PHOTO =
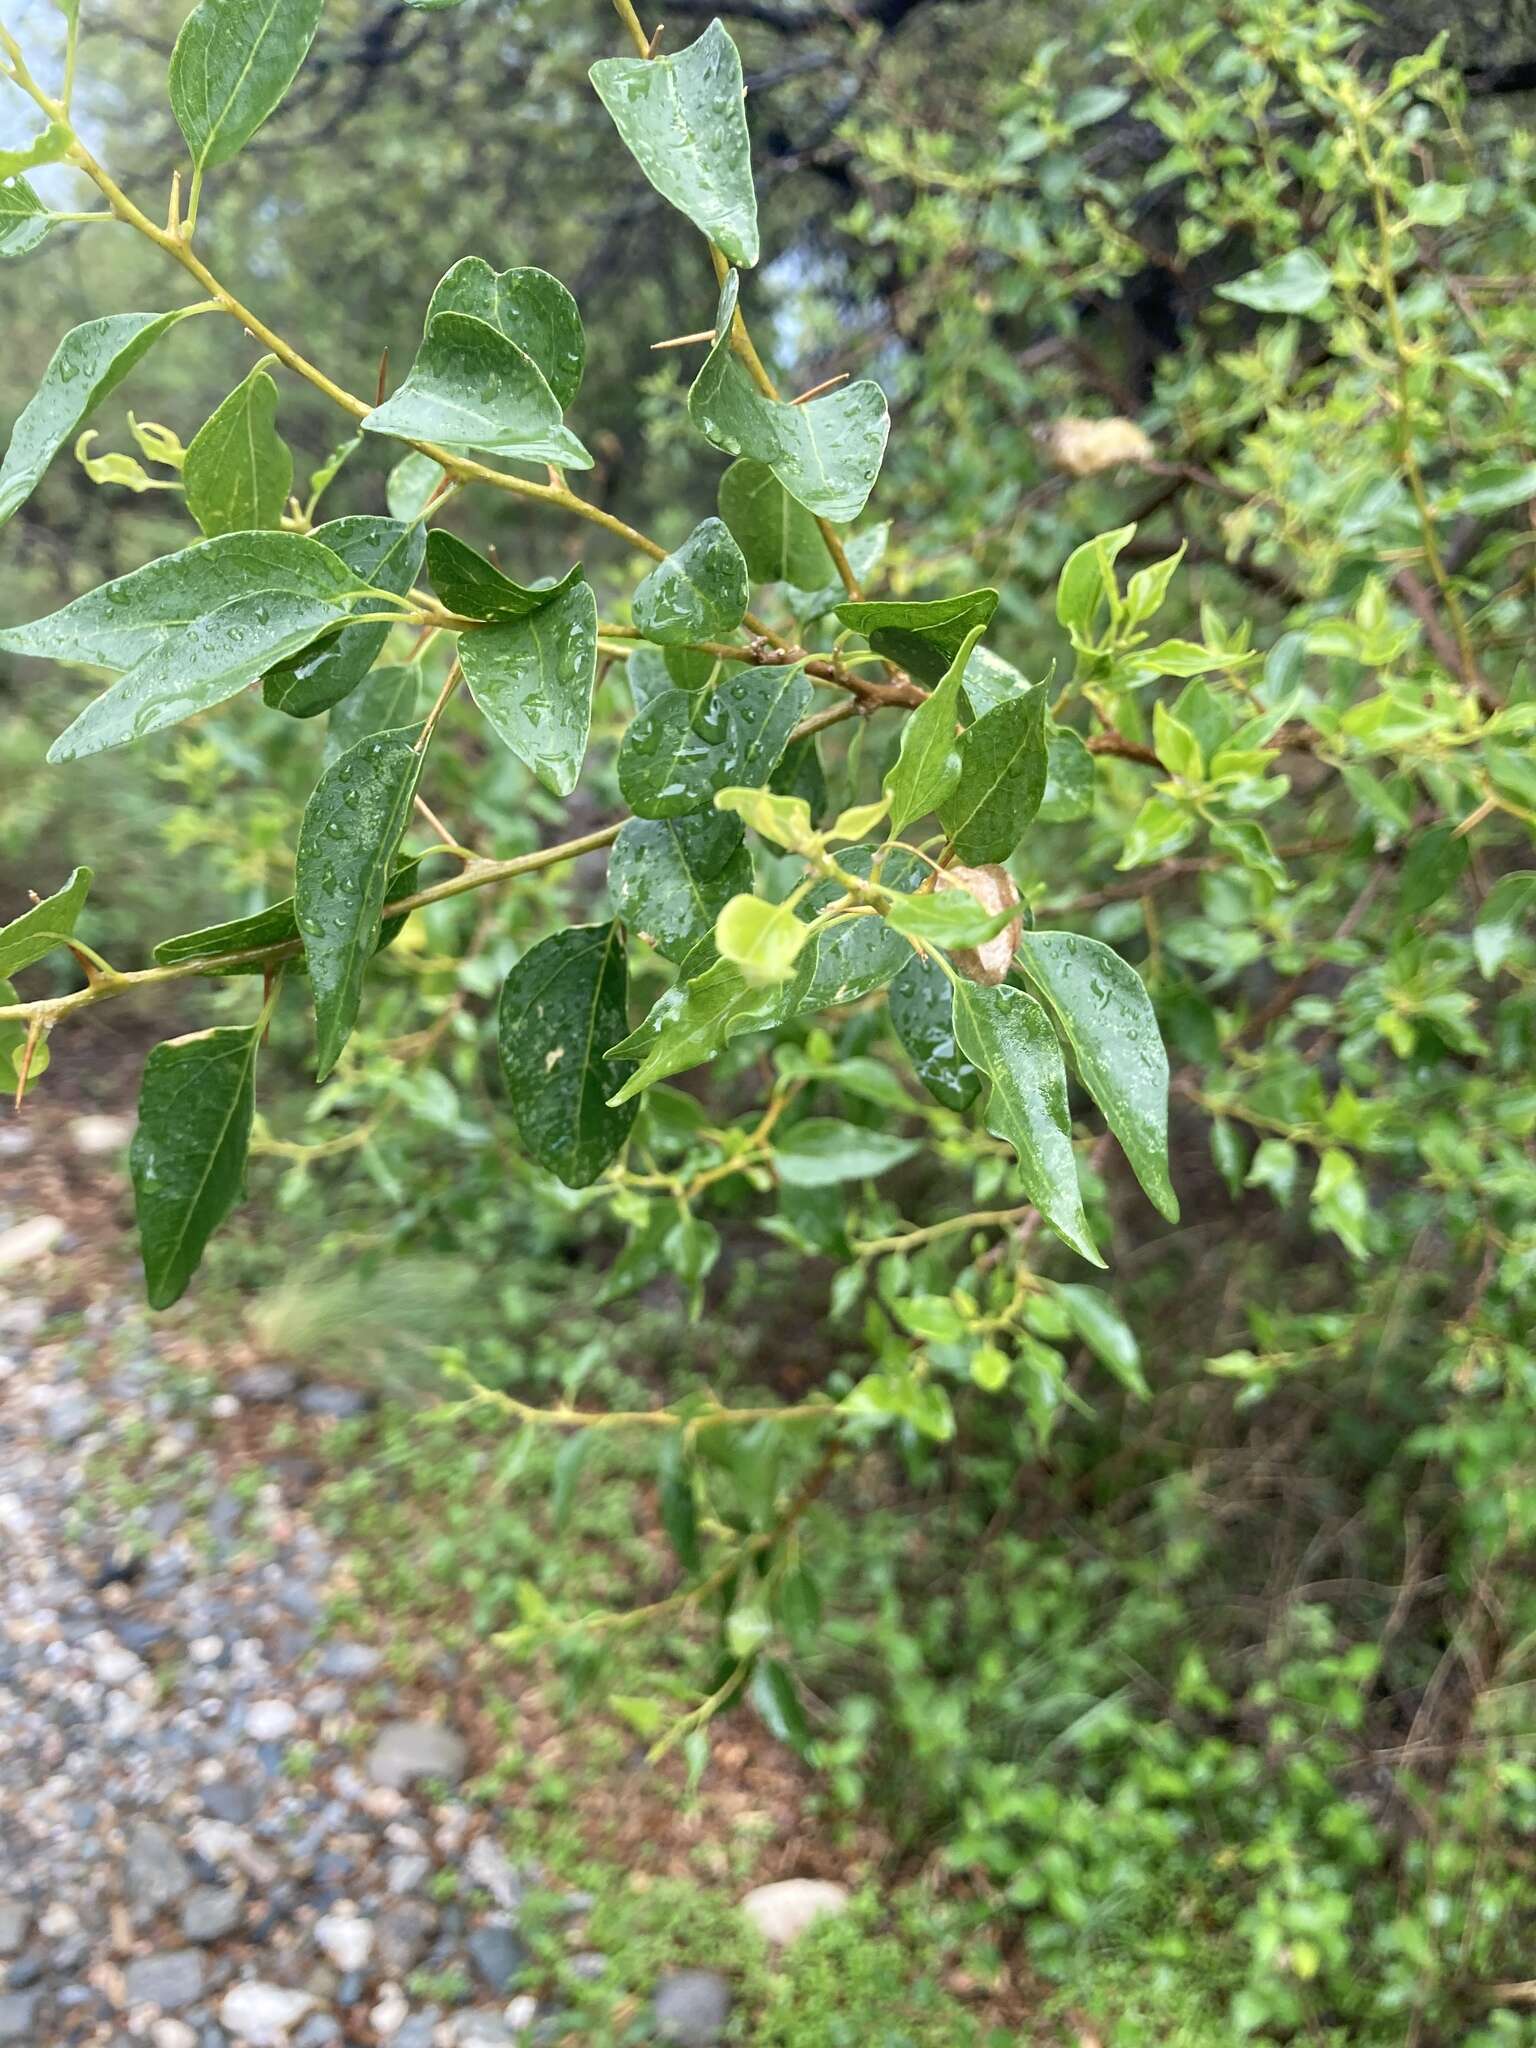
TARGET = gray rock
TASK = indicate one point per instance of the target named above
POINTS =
(782, 1912)
(265, 1383)
(498, 1957)
(210, 1912)
(155, 1872)
(27, 1242)
(229, 1799)
(318, 2031)
(28, 1970)
(418, 2031)
(339, 1402)
(406, 1751)
(489, 1866)
(270, 1720)
(348, 1660)
(16, 2016)
(70, 1414)
(590, 1965)
(403, 1934)
(15, 1919)
(691, 2007)
(170, 1981)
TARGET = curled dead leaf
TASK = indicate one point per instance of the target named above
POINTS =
(994, 889)
(1085, 447)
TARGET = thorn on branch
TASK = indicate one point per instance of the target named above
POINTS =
(383, 376)
(816, 390)
(685, 340)
(654, 44)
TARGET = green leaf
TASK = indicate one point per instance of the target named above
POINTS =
(472, 388)
(1069, 774)
(476, 589)
(239, 470)
(951, 918)
(86, 367)
(233, 62)
(1104, 1330)
(386, 553)
(922, 1016)
(46, 925)
(671, 877)
(826, 453)
(1340, 1202)
(275, 925)
(784, 820)
(678, 752)
(824, 1150)
(1107, 1019)
(15, 1037)
(24, 220)
(677, 1504)
(924, 637)
(412, 483)
(350, 835)
(1002, 779)
(561, 1005)
(1501, 922)
(698, 593)
(1297, 282)
(925, 772)
(1435, 862)
(779, 539)
(1007, 1035)
(532, 309)
(1087, 580)
(383, 701)
(698, 1018)
(763, 940)
(117, 624)
(777, 1699)
(860, 954)
(187, 1159)
(533, 679)
(683, 121)
(191, 664)
(50, 147)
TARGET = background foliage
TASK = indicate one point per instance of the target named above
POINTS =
(1182, 1616)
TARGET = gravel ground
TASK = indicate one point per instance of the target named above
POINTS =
(206, 1839)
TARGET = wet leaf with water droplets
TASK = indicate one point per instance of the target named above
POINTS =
(924, 636)
(922, 1016)
(472, 388)
(24, 220)
(826, 453)
(87, 366)
(780, 540)
(347, 846)
(1001, 782)
(671, 877)
(233, 62)
(533, 680)
(679, 751)
(683, 121)
(562, 1006)
(188, 1154)
(532, 309)
(384, 552)
(1007, 1035)
(385, 699)
(699, 592)
(1108, 1020)
(699, 1017)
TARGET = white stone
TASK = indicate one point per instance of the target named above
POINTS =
(173, 2034)
(270, 1720)
(521, 2011)
(99, 1137)
(782, 1912)
(344, 1939)
(206, 1649)
(263, 2014)
(390, 2014)
(34, 1239)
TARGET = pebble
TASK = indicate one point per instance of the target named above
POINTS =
(155, 1872)
(339, 1403)
(497, 1956)
(782, 1912)
(691, 2008)
(270, 1720)
(390, 2014)
(168, 1981)
(16, 2017)
(406, 1751)
(264, 2014)
(15, 1921)
(27, 1242)
(482, 2028)
(344, 1938)
(265, 1383)
(173, 2034)
(210, 1912)
(489, 1866)
(348, 1660)
(100, 1137)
